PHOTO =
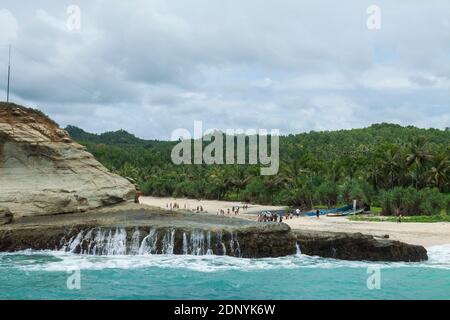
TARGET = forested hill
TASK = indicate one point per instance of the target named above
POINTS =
(120, 137)
(315, 140)
(326, 167)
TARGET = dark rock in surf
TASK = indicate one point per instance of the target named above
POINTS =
(357, 246)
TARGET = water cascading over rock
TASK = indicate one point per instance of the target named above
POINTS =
(118, 241)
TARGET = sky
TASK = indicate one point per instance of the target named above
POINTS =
(152, 66)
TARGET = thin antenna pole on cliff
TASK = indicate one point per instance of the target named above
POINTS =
(9, 73)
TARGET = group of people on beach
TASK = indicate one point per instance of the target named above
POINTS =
(175, 206)
(267, 216)
(273, 217)
(234, 210)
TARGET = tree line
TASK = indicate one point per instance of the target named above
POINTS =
(403, 170)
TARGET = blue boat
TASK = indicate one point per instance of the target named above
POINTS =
(327, 211)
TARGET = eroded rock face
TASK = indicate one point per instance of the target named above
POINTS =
(43, 171)
(357, 246)
(5, 216)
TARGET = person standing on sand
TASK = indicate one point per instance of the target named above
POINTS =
(399, 218)
(317, 213)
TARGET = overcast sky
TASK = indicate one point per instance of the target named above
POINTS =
(150, 67)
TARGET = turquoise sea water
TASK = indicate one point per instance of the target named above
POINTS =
(44, 275)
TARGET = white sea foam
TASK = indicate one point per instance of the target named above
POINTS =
(439, 257)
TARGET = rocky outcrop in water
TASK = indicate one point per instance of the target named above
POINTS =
(142, 230)
(42, 171)
(357, 246)
(132, 229)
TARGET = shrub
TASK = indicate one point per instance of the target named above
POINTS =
(409, 201)
(360, 191)
(432, 201)
(327, 193)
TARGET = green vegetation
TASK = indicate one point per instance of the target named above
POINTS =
(402, 170)
(374, 218)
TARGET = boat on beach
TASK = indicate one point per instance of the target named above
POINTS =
(330, 211)
(345, 213)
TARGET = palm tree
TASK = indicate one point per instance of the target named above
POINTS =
(273, 183)
(417, 158)
(438, 174)
(237, 179)
(391, 164)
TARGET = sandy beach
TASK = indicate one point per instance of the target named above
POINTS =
(209, 206)
(426, 234)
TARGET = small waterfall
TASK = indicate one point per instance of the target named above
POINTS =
(220, 243)
(116, 241)
(99, 241)
(209, 251)
(234, 245)
(185, 244)
(87, 242)
(148, 245)
(299, 252)
(74, 243)
(197, 242)
(135, 242)
(169, 242)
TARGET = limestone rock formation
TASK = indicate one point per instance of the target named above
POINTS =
(5, 216)
(43, 171)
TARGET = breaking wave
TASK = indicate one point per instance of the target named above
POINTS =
(439, 257)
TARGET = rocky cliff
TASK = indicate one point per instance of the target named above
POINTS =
(44, 172)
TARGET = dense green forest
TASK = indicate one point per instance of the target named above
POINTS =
(404, 170)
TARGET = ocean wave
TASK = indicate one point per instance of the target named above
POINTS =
(439, 257)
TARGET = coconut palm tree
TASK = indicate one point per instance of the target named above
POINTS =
(391, 164)
(417, 158)
(438, 175)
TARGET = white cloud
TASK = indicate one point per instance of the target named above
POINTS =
(8, 26)
(151, 66)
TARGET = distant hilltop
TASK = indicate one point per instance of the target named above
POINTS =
(388, 132)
